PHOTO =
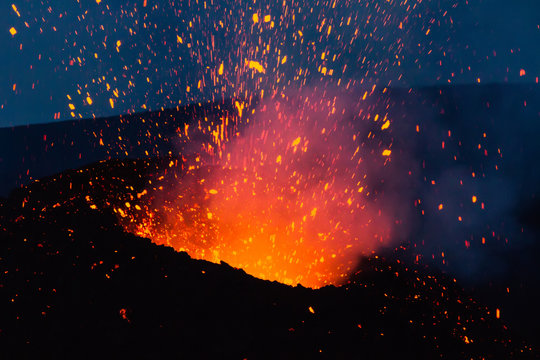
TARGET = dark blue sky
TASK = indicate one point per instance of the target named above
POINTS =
(76, 59)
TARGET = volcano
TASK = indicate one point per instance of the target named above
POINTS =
(79, 279)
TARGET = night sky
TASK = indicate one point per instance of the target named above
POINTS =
(71, 59)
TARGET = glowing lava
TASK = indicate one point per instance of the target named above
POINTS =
(291, 199)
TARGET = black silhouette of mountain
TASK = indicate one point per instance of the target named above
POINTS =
(74, 285)
(29, 153)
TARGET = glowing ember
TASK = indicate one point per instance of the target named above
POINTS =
(289, 200)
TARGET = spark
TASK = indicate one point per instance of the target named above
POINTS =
(257, 66)
(14, 7)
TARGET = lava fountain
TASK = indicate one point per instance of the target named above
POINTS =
(289, 199)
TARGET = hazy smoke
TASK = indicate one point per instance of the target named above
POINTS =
(474, 151)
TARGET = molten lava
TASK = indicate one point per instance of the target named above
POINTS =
(291, 199)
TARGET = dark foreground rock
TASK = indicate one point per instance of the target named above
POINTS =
(74, 285)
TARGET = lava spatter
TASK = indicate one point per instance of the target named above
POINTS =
(289, 199)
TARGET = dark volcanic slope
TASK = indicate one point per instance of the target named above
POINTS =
(31, 152)
(74, 285)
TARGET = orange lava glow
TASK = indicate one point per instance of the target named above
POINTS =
(291, 199)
